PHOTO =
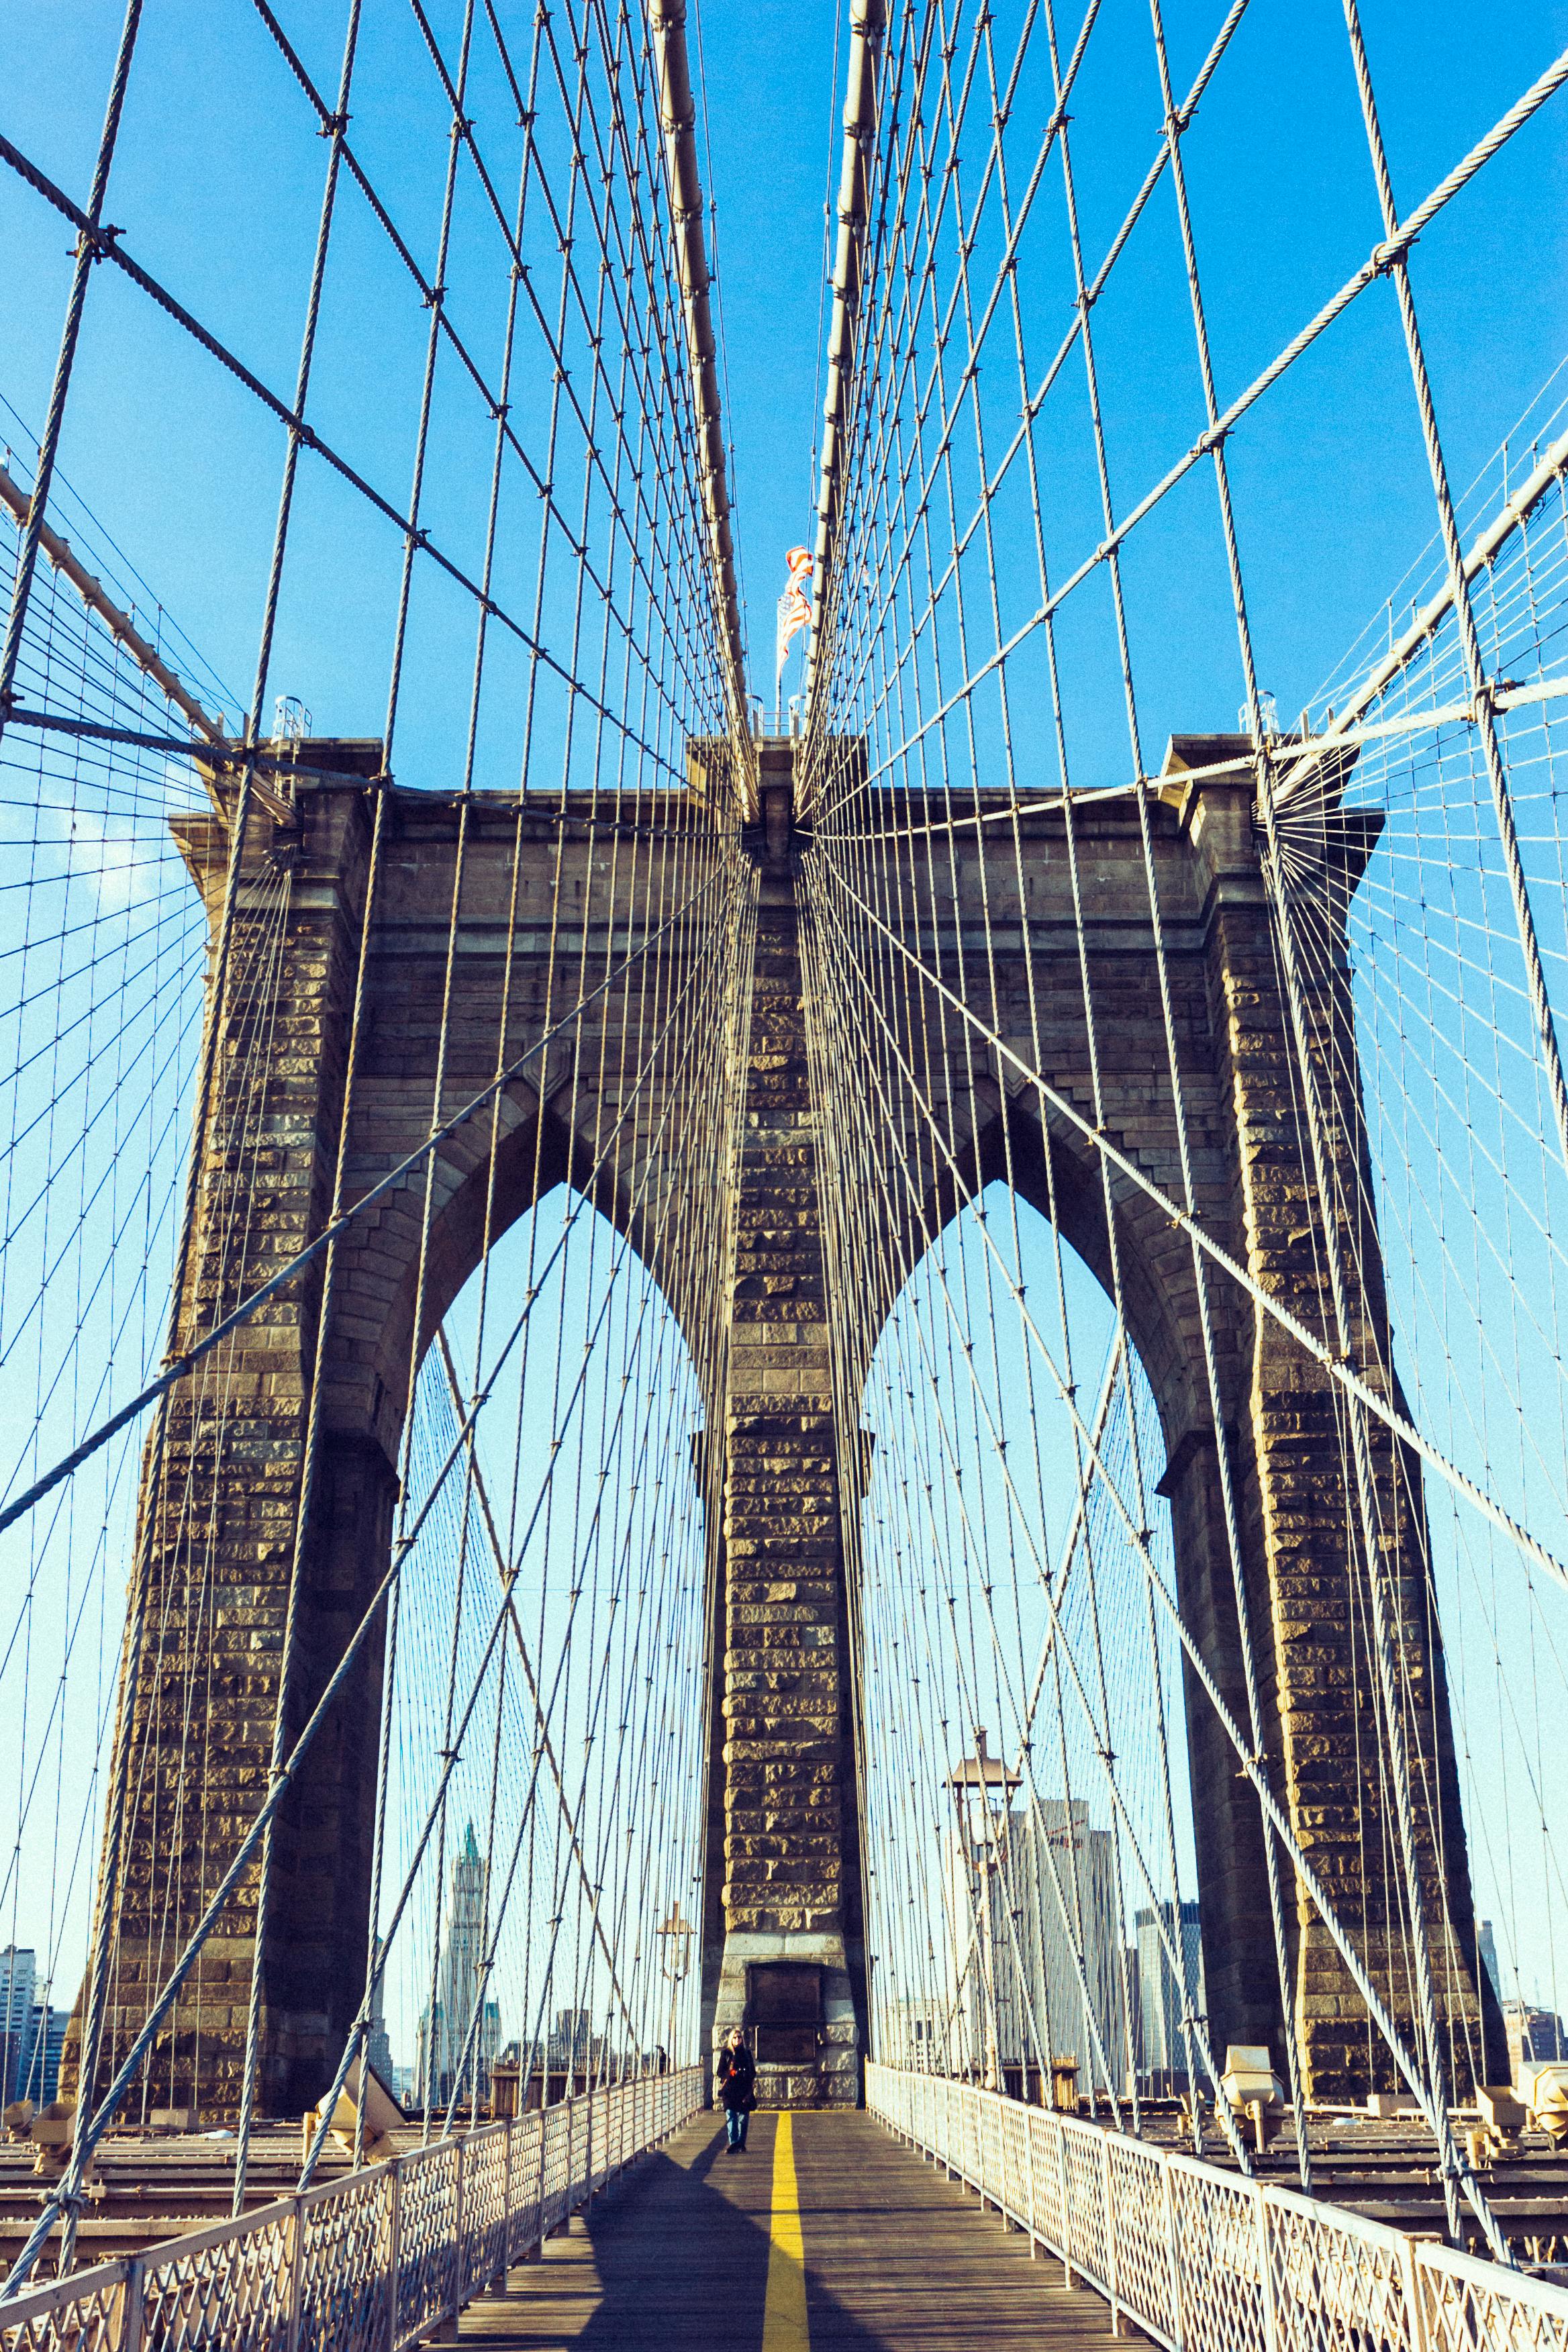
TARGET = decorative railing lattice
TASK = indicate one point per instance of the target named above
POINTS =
(371, 2262)
(1202, 2260)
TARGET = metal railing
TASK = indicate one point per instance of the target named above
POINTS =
(370, 2262)
(1204, 2261)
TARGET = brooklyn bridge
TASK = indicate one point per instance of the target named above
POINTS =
(785, 1484)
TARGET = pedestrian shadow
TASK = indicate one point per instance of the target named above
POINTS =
(676, 2260)
(677, 2254)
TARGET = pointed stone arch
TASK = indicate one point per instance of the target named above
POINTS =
(784, 1834)
(573, 919)
(1003, 882)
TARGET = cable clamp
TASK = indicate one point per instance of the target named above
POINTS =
(98, 242)
(1215, 438)
(1487, 697)
(1394, 250)
(332, 126)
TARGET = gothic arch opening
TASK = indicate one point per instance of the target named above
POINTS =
(1027, 1908)
(555, 1597)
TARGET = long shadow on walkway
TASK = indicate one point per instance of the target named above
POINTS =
(895, 2256)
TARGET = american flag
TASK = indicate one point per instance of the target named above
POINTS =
(794, 608)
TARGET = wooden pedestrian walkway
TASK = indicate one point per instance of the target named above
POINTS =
(827, 2235)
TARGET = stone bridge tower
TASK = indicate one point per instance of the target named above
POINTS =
(783, 1929)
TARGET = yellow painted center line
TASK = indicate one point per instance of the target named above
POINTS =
(784, 2327)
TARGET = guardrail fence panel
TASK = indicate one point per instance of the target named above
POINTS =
(99, 2303)
(244, 2276)
(1141, 2242)
(1463, 2303)
(1220, 2256)
(347, 2252)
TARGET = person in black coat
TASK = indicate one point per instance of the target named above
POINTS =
(737, 2089)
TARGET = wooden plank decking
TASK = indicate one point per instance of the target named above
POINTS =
(894, 2256)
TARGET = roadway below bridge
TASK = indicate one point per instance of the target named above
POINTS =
(824, 2232)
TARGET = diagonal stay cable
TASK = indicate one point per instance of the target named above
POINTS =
(526, 1661)
(1343, 1373)
(432, 297)
(1080, 1518)
(463, 1443)
(1251, 1766)
(68, 2188)
(178, 1366)
(112, 250)
(1378, 264)
(1036, 400)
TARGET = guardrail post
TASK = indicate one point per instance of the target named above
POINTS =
(1168, 2190)
(129, 2337)
(1067, 2206)
(506, 2215)
(393, 2251)
(459, 2266)
(1266, 2271)
(1029, 2178)
(539, 2200)
(297, 2275)
(1410, 2284)
(1108, 2205)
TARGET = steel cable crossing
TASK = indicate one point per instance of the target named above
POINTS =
(540, 1622)
(936, 656)
(605, 1045)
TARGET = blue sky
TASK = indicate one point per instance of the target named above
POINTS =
(216, 188)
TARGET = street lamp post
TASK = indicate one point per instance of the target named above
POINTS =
(674, 1959)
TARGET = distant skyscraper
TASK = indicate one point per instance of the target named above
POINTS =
(1487, 1943)
(18, 1998)
(1050, 1881)
(377, 2048)
(919, 2035)
(41, 2074)
(573, 2045)
(445, 2047)
(1535, 2036)
(1162, 2000)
